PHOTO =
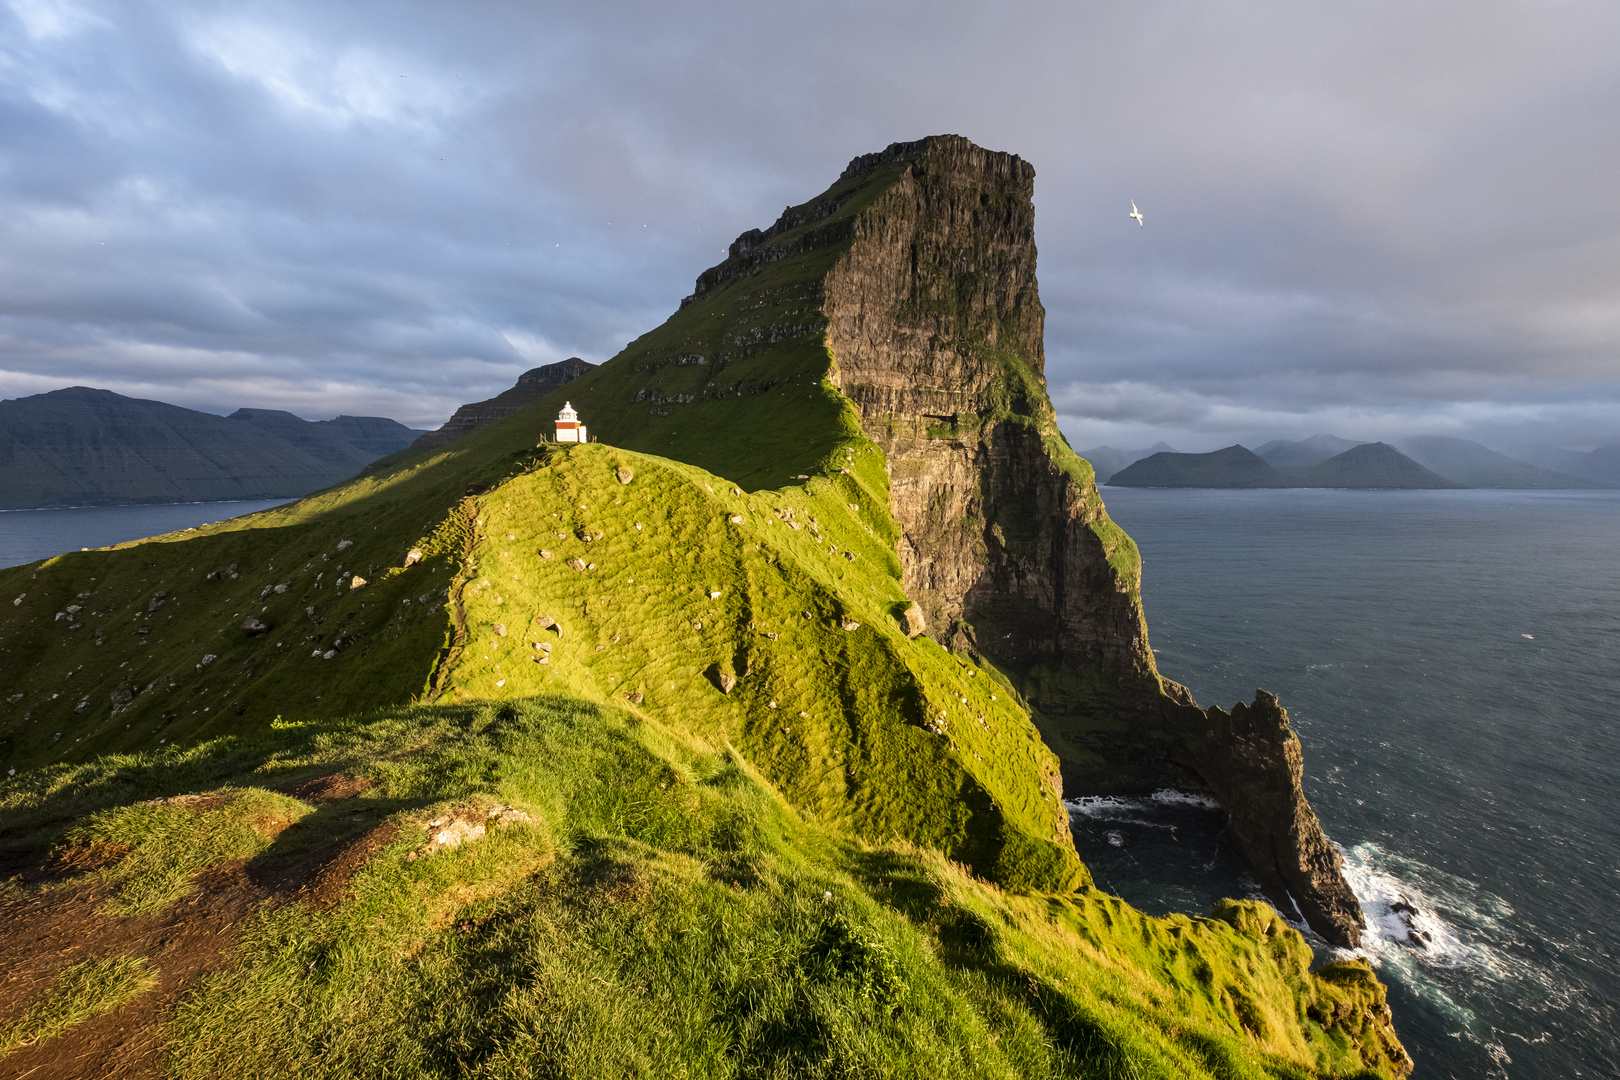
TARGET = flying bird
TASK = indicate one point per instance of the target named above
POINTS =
(1135, 213)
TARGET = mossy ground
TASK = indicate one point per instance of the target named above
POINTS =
(665, 911)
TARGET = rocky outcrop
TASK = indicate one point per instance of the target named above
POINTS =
(1251, 760)
(935, 326)
(532, 385)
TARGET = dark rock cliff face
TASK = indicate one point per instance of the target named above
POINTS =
(935, 325)
(532, 385)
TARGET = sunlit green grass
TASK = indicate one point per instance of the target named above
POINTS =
(666, 910)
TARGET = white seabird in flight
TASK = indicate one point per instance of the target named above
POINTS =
(1135, 213)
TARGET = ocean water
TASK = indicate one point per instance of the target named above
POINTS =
(1451, 661)
(27, 535)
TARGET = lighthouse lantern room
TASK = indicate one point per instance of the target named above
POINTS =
(569, 429)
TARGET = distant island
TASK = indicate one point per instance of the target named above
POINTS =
(86, 447)
(1327, 461)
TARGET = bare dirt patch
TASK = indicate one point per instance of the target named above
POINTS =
(326, 884)
(324, 789)
(49, 930)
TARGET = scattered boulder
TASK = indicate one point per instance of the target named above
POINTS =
(157, 601)
(253, 627)
(913, 619)
(724, 681)
(344, 545)
(452, 833)
(357, 582)
(633, 697)
(576, 564)
(413, 556)
(500, 629)
(624, 475)
(466, 826)
(850, 624)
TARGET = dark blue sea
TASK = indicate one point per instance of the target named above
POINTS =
(1451, 661)
(27, 535)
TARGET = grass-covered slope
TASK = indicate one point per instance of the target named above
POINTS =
(680, 655)
(639, 903)
(767, 620)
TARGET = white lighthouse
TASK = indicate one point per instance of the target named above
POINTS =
(569, 429)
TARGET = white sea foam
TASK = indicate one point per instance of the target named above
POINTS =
(1172, 797)
(1408, 910)
(1123, 808)
(1105, 807)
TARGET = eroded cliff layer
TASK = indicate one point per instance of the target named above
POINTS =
(935, 325)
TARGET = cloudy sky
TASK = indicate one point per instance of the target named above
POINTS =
(1367, 218)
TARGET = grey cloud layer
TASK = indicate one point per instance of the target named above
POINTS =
(1388, 215)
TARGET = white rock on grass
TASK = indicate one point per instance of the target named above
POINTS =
(466, 826)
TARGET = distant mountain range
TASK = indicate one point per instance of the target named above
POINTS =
(1368, 465)
(87, 447)
(1330, 461)
(1601, 466)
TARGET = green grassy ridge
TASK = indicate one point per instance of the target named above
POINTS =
(762, 417)
(163, 844)
(862, 758)
(838, 718)
(665, 910)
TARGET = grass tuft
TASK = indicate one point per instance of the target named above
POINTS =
(78, 993)
(163, 843)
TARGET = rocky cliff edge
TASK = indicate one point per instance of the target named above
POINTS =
(935, 324)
